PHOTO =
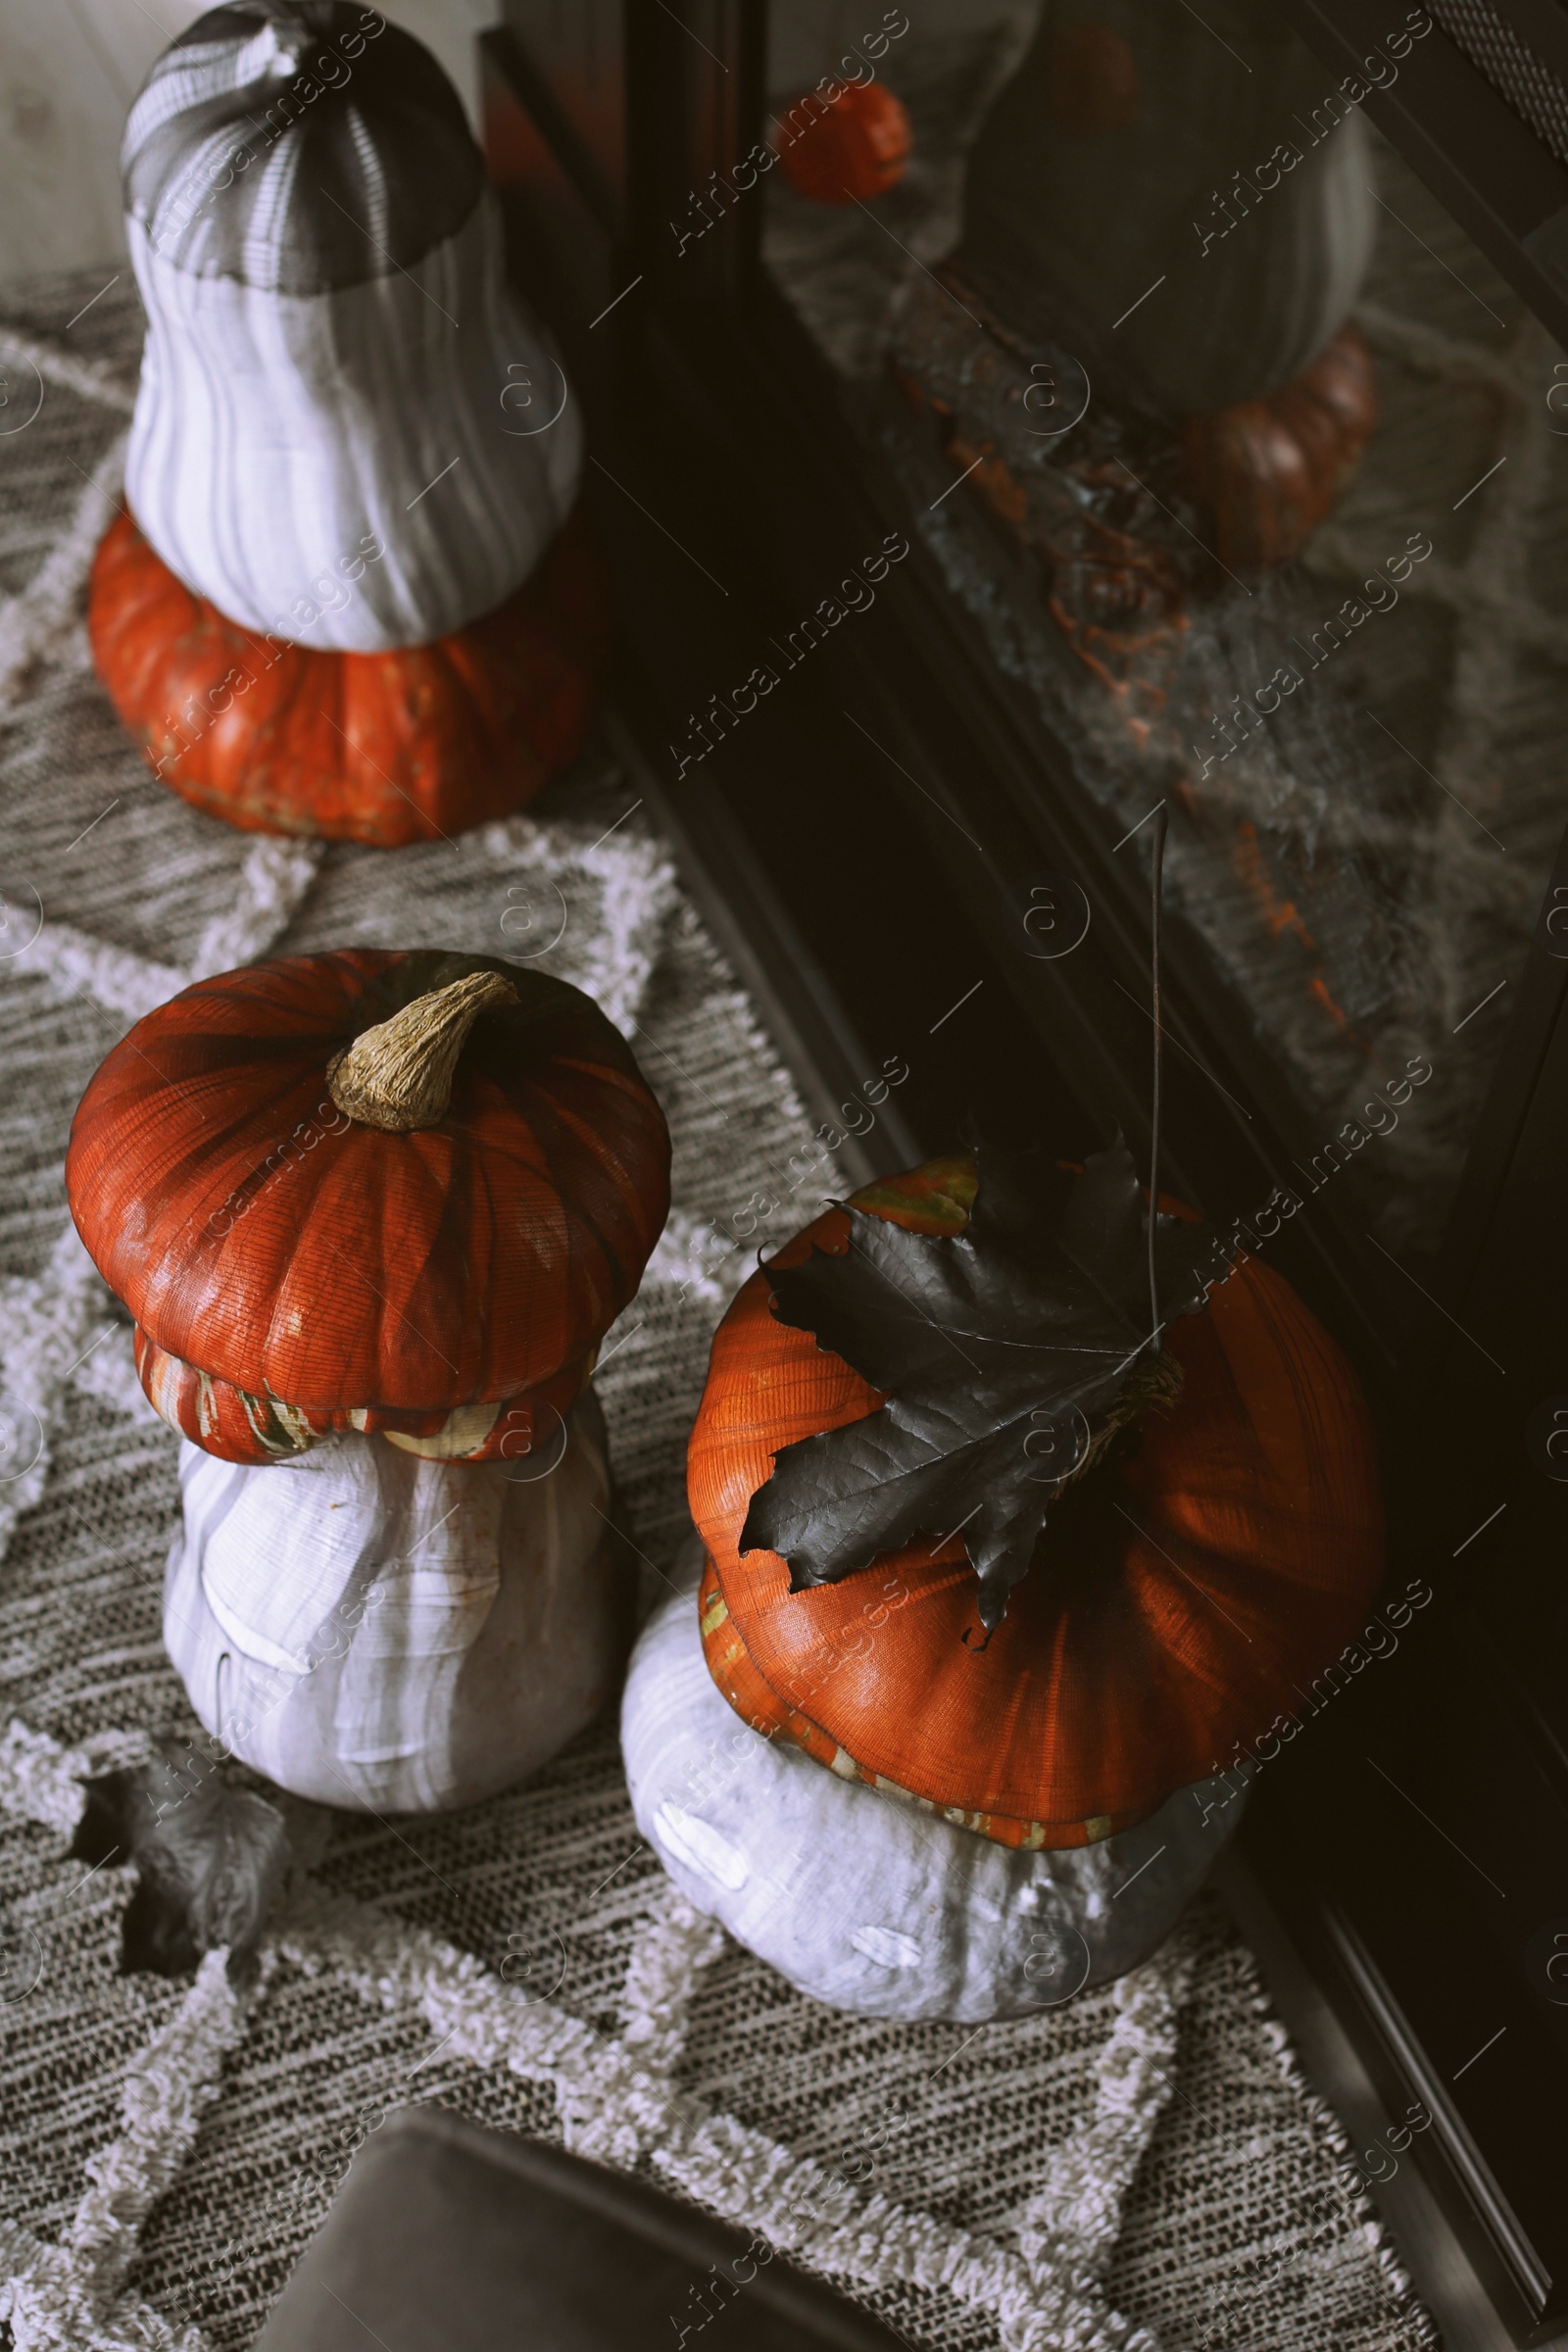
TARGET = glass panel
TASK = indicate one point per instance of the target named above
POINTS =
(576, 47)
(1250, 475)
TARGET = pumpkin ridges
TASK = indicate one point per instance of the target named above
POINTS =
(738, 1678)
(488, 674)
(603, 1178)
(186, 639)
(1256, 1559)
(1086, 1750)
(1273, 1351)
(569, 1243)
(315, 719)
(1062, 1738)
(309, 1242)
(605, 1175)
(414, 686)
(385, 748)
(237, 1427)
(1270, 468)
(149, 613)
(171, 1158)
(394, 1318)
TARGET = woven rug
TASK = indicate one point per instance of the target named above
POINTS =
(1144, 2168)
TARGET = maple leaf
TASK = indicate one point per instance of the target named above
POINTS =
(1007, 1354)
(210, 1857)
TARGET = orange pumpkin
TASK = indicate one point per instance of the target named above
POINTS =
(306, 1252)
(411, 744)
(857, 148)
(1268, 471)
(1176, 1599)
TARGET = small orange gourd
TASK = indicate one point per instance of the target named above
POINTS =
(856, 150)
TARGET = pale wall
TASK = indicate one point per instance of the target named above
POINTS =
(69, 69)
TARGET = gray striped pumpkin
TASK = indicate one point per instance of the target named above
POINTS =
(1160, 190)
(335, 364)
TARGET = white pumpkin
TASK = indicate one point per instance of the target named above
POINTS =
(349, 433)
(1180, 198)
(383, 1631)
(872, 1904)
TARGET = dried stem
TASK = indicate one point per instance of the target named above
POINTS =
(399, 1075)
(1152, 1379)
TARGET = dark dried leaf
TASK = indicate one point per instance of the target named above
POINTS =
(209, 1856)
(993, 1347)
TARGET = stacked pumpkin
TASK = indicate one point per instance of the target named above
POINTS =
(372, 1213)
(353, 595)
(1176, 203)
(993, 1579)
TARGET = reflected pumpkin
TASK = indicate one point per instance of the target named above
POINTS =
(1268, 471)
(854, 151)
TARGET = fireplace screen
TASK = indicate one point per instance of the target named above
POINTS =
(1250, 475)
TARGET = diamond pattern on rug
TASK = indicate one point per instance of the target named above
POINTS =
(1034, 2185)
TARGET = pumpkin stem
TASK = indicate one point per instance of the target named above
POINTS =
(399, 1075)
(1151, 1380)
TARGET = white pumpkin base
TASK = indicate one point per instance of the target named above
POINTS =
(391, 1634)
(872, 1904)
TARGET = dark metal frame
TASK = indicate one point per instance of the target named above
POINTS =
(1501, 185)
(842, 876)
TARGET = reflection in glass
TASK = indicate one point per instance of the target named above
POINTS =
(1244, 467)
